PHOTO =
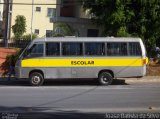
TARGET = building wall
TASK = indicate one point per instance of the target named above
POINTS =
(40, 20)
(1, 16)
(83, 28)
(1, 10)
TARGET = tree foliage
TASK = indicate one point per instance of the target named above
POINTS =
(138, 18)
(19, 28)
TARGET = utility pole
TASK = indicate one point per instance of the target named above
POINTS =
(6, 32)
(32, 19)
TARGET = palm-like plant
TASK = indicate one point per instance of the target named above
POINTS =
(64, 29)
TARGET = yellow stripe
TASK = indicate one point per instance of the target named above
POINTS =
(82, 62)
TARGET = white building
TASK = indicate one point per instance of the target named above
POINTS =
(1, 15)
(1, 9)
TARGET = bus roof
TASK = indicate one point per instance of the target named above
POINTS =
(88, 39)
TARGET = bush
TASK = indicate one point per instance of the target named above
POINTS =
(9, 60)
(58, 35)
(28, 37)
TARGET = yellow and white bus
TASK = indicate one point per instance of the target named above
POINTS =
(72, 58)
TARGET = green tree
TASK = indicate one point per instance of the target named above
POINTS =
(147, 23)
(63, 29)
(19, 28)
(112, 15)
(138, 18)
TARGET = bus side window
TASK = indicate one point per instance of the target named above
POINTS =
(95, 49)
(35, 51)
(52, 49)
(135, 49)
(72, 49)
(116, 49)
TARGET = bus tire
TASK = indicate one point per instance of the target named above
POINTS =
(105, 78)
(36, 79)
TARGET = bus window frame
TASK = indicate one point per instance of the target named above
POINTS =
(85, 55)
(116, 55)
(29, 48)
(61, 49)
(83, 49)
(139, 47)
(45, 50)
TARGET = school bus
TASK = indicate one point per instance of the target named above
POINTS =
(102, 59)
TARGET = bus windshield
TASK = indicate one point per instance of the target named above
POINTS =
(24, 51)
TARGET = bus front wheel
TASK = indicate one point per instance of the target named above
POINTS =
(105, 78)
(36, 79)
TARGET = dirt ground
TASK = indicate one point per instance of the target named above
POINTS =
(153, 68)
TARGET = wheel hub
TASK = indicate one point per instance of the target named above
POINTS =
(36, 79)
(105, 79)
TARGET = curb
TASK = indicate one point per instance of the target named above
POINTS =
(144, 79)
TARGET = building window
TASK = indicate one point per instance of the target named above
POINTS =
(95, 49)
(38, 9)
(49, 33)
(116, 49)
(36, 31)
(68, 8)
(52, 49)
(72, 49)
(51, 12)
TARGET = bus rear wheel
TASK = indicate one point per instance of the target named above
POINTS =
(36, 79)
(105, 78)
